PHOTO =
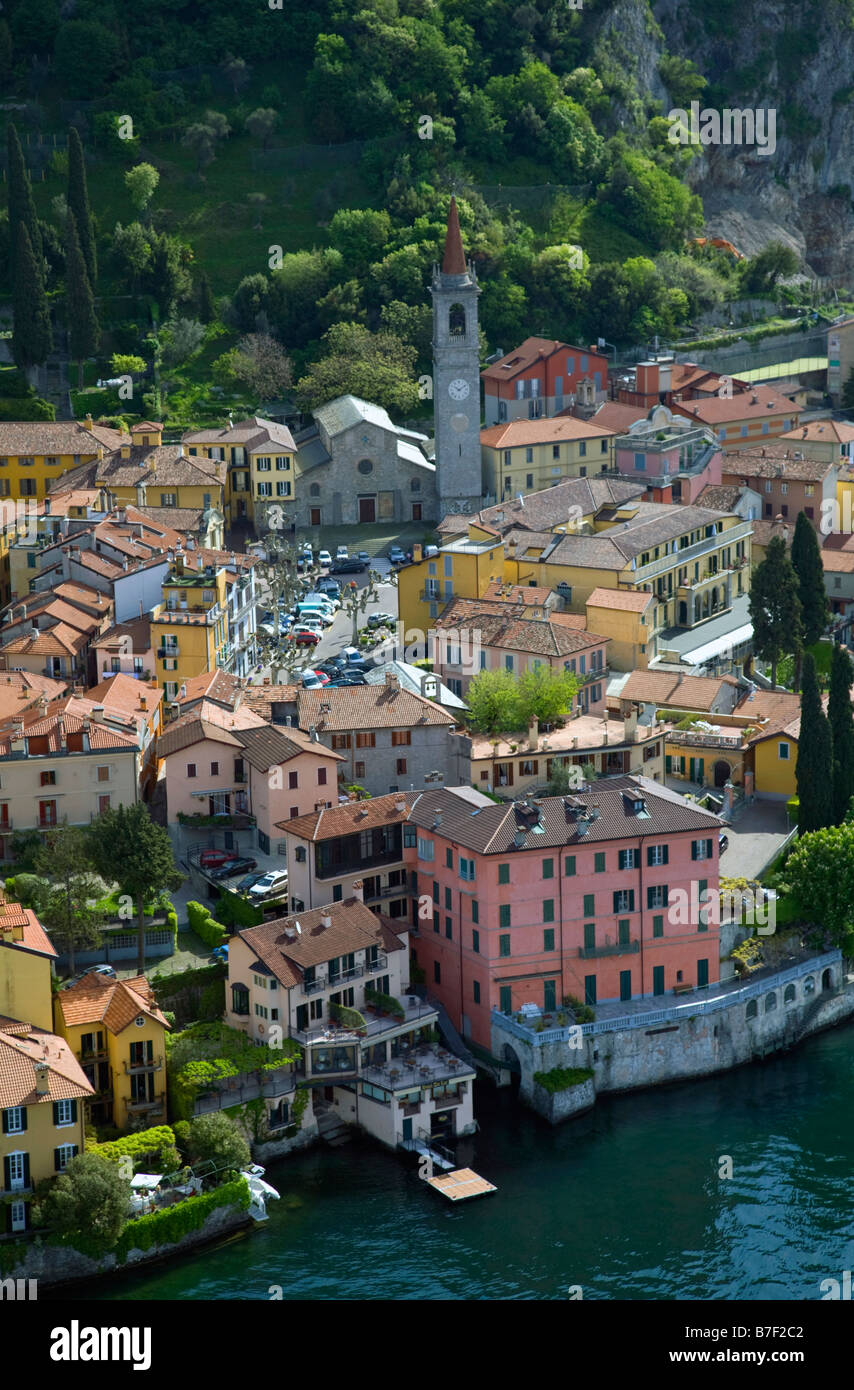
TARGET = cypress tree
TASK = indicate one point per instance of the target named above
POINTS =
(841, 717)
(815, 756)
(31, 335)
(207, 307)
(83, 330)
(22, 209)
(806, 562)
(78, 202)
(775, 608)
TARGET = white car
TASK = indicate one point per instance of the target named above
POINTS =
(323, 601)
(342, 553)
(324, 558)
(270, 886)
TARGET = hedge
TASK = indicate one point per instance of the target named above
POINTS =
(172, 1223)
(145, 1141)
(562, 1078)
(237, 912)
(348, 1018)
(386, 1002)
(212, 933)
(167, 985)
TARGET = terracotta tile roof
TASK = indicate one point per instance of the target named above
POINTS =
(773, 463)
(722, 498)
(674, 689)
(626, 600)
(18, 1058)
(211, 685)
(822, 431)
(720, 410)
(122, 694)
(60, 640)
(266, 747)
(20, 690)
(265, 698)
(352, 927)
(161, 465)
(367, 707)
(554, 430)
(98, 564)
(838, 561)
(615, 415)
(545, 510)
(495, 828)
(136, 634)
(53, 437)
(509, 627)
(764, 530)
(115, 1003)
(535, 595)
(253, 434)
(349, 819)
(207, 721)
(523, 357)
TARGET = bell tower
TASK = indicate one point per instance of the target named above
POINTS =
(456, 376)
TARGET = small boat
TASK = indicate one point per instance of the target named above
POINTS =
(261, 1192)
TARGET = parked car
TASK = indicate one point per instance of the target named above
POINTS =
(355, 679)
(312, 616)
(306, 636)
(106, 970)
(314, 680)
(347, 654)
(324, 558)
(380, 620)
(215, 858)
(364, 556)
(396, 555)
(331, 601)
(342, 553)
(233, 866)
(328, 586)
(247, 882)
(723, 842)
(271, 885)
(353, 566)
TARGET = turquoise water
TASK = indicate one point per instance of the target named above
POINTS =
(626, 1202)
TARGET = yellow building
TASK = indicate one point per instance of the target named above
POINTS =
(260, 456)
(35, 453)
(464, 568)
(117, 1032)
(529, 455)
(628, 620)
(189, 629)
(42, 1085)
(773, 760)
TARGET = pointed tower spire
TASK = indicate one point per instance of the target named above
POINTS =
(454, 259)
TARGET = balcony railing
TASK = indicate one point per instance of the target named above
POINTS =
(99, 1055)
(611, 948)
(733, 740)
(435, 596)
(140, 1106)
(677, 557)
(164, 652)
(394, 890)
(136, 1068)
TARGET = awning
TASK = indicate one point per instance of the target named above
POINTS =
(728, 642)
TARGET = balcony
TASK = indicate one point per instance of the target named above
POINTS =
(618, 948)
(137, 1068)
(335, 981)
(429, 1066)
(393, 890)
(142, 1107)
(732, 741)
(645, 573)
(87, 1058)
(6, 824)
(419, 1014)
(164, 652)
(436, 596)
(47, 823)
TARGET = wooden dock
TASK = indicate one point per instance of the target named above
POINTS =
(461, 1184)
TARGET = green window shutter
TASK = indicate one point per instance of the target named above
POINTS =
(570, 865)
(475, 910)
(476, 991)
(504, 915)
(590, 989)
(549, 910)
(623, 927)
(56, 1161)
(668, 763)
(658, 926)
(475, 941)
(505, 999)
(549, 995)
(548, 868)
(447, 899)
(435, 891)
(658, 979)
(503, 873)
(5, 1122)
(549, 939)
(74, 1108)
(589, 905)
(599, 863)
(625, 986)
(702, 973)
(589, 936)
(435, 921)
(24, 1115)
(56, 1113)
(504, 945)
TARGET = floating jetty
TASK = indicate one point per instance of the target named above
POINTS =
(461, 1184)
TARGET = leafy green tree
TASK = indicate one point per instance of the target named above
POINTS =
(261, 123)
(68, 907)
(493, 701)
(545, 695)
(200, 139)
(83, 330)
(814, 773)
(141, 183)
(374, 366)
(25, 846)
(89, 1198)
(22, 209)
(236, 73)
(250, 299)
(806, 562)
(761, 273)
(126, 846)
(181, 338)
(132, 252)
(820, 870)
(681, 78)
(84, 47)
(261, 364)
(167, 276)
(361, 235)
(296, 286)
(841, 716)
(5, 50)
(650, 203)
(215, 1139)
(127, 364)
(31, 334)
(78, 203)
(774, 606)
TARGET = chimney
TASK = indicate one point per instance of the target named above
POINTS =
(533, 733)
(392, 681)
(325, 920)
(143, 702)
(400, 805)
(97, 714)
(42, 1078)
(359, 891)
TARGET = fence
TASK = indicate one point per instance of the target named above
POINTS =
(673, 1015)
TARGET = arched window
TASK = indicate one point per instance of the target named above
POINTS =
(752, 1008)
(415, 485)
(314, 490)
(809, 984)
(457, 321)
(770, 1003)
(827, 979)
(789, 994)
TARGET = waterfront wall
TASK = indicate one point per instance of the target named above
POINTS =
(51, 1265)
(696, 1039)
(556, 1106)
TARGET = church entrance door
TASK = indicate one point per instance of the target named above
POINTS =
(367, 509)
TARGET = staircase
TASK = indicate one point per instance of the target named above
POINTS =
(455, 1042)
(330, 1126)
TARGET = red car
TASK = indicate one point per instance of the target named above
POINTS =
(305, 637)
(215, 858)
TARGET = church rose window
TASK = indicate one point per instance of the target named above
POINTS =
(365, 466)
